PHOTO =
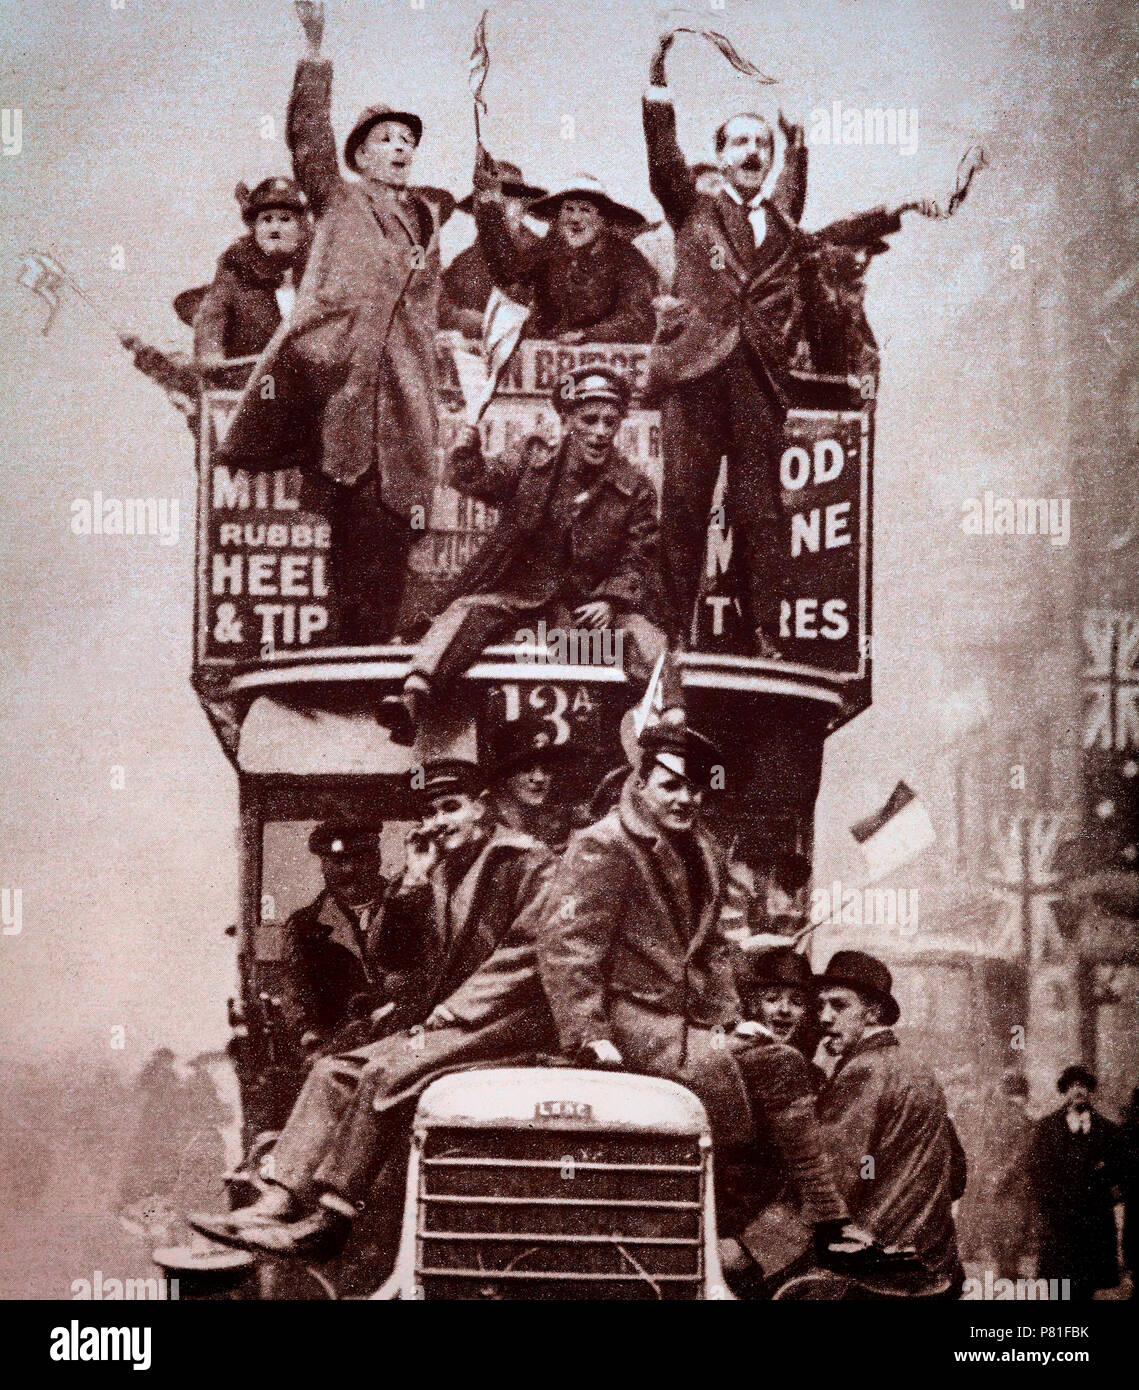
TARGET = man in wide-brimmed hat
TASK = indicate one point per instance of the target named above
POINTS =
(347, 389)
(585, 282)
(1075, 1165)
(896, 1156)
(467, 281)
(575, 548)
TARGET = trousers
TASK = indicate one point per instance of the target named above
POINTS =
(726, 416)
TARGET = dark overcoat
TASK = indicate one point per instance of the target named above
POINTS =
(729, 290)
(239, 311)
(1073, 1178)
(324, 966)
(627, 957)
(614, 551)
(604, 290)
(882, 1105)
(348, 384)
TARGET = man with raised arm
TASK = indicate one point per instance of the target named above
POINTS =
(346, 389)
(720, 359)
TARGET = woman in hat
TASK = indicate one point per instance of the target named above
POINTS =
(585, 281)
(256, 280)
(467, 281)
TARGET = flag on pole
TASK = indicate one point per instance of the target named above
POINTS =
(479, 64)
(968, 167)
(897, 833)
(45, 277)
(502, 324)
(730, 52)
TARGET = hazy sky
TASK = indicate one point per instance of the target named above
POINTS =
(137, 123)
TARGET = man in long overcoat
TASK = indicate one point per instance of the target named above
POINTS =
(456, 919)
(639, 976)
(346, 389)
(896, 1156)
(576, 542)
(1075, 1166)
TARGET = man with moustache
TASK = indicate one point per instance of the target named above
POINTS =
(255, 287)
(722, 352)
(638, 975)
(895, 1154)
(346, 390)
(446, 924)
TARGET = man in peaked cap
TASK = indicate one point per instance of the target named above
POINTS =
(467, 281)
(447, 920)
(347, 389)
(896, 1156)
(576, 542)
(331, 976)
(638, 975)
(585, 281)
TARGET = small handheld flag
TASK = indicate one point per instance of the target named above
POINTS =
(725, 46)
(45, 277)
(897, 833)
(478, 67)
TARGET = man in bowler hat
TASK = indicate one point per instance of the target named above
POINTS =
(1075, 1166)
(895, 1154)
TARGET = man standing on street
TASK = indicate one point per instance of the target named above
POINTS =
(1075, 1167)
(896, 1156)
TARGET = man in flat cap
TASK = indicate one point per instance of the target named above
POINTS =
(449, 918)
(576, 540)
(332, 977)
(467, 281)
(896, 1156)
(1075, 1167)
(584, 281)
(347, 389)
(638, 975)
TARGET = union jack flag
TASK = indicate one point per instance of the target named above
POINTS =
(1111, 680)
(1028, 885)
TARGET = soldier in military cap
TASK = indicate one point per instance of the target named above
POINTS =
(466, 882)
(576, 540)
(638, 975)
(332, 977)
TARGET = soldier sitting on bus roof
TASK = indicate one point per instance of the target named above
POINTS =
(332, 979)
(585, 281)
(576, 542)
(467, 281)
(449, 917)
(255, 285)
